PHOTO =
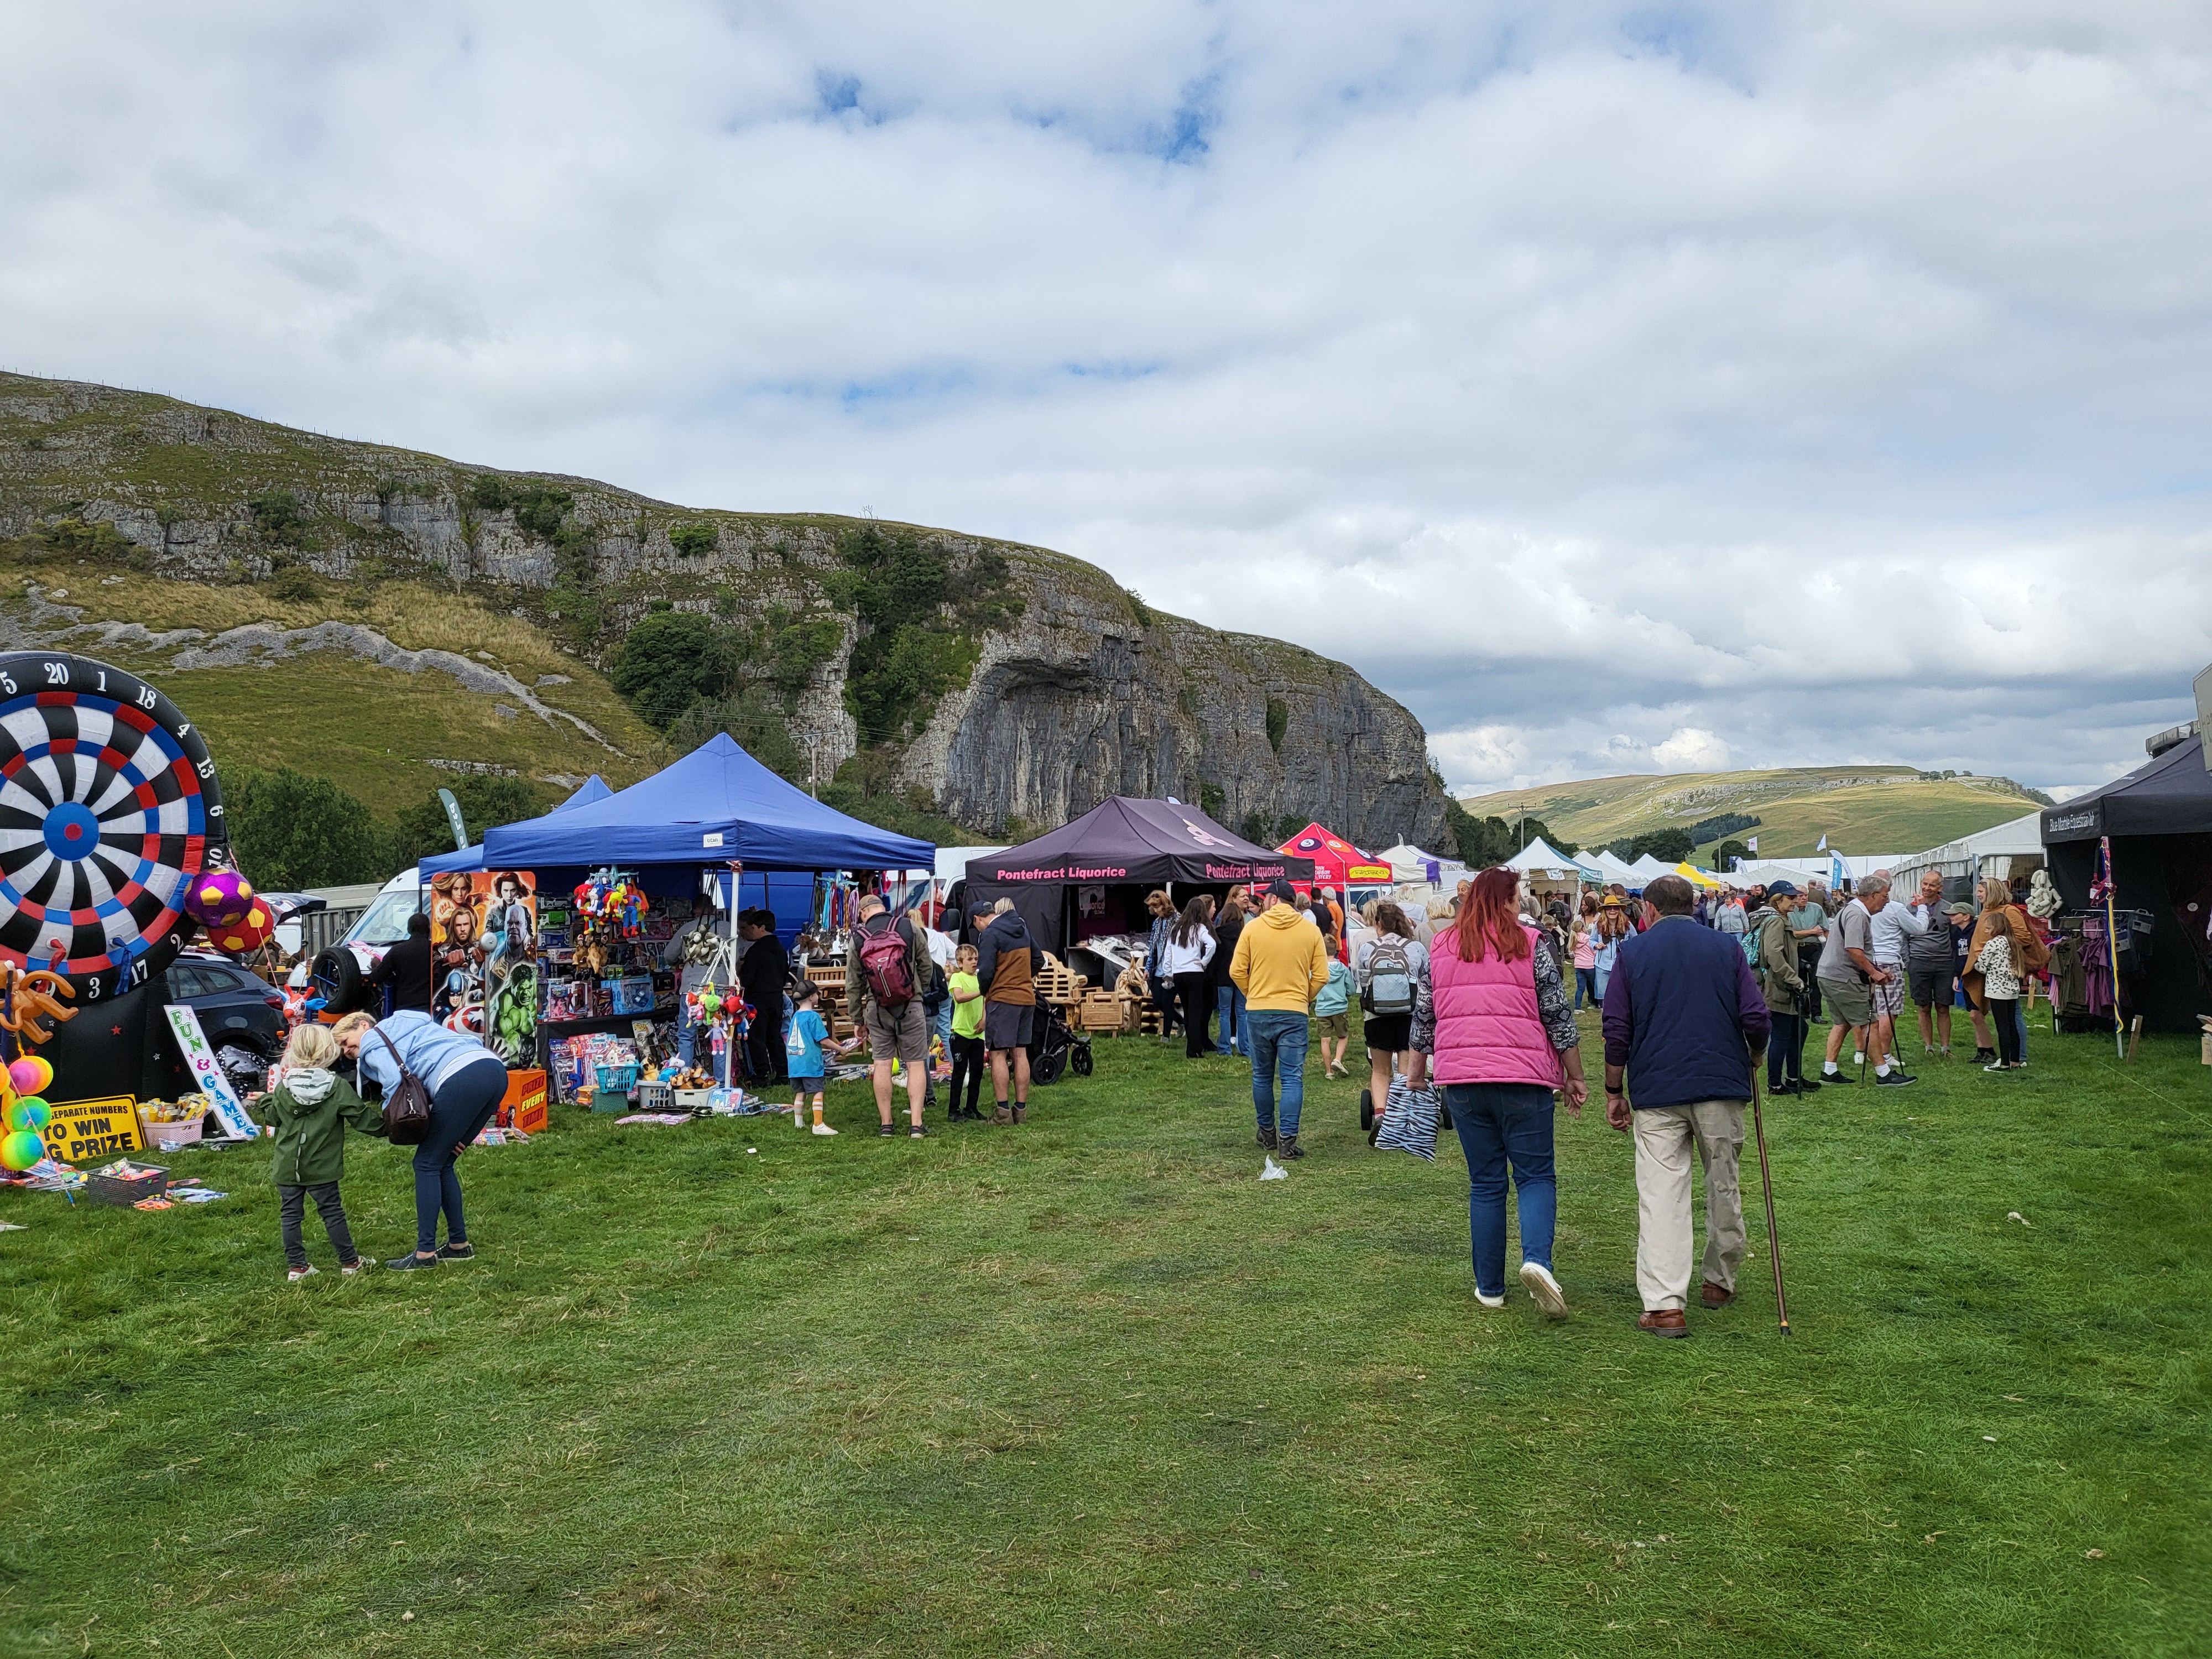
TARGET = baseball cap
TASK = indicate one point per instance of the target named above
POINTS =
(1782, 889)
(1282, 890)
(1959, 908)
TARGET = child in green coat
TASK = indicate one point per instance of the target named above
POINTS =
(309, 1111)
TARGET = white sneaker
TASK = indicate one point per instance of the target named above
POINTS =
(1540, 1284)
(824, 1130)
(1490, 1301)
(293, 1275)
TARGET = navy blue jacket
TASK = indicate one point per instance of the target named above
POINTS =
(1684, 1015)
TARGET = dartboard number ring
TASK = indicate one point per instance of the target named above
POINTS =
(109, 807)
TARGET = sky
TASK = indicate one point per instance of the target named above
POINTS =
(1625, 388)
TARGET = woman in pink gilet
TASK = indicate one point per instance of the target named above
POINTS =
(1494, 1014)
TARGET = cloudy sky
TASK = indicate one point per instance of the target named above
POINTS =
(1625, 388)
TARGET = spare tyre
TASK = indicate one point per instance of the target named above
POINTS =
(337, 978)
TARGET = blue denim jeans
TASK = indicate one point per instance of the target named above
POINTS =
(1229, 1021)
(687, 1032)
(1279, 1038)
(1585, 985)
(1785, 1051)
(464, 1103)
(1499, 1124)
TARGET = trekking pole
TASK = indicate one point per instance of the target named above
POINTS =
(1767, 1181)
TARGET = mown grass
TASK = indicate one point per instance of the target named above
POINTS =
(1089, 1387)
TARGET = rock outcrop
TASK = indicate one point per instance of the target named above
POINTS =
(1083, 693)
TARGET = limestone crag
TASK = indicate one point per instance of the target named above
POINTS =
(1085, 693)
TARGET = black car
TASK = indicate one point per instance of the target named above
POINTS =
(233, 1006)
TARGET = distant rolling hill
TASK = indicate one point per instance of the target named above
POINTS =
(1861, 809)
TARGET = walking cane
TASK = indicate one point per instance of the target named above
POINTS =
(1767, 1181)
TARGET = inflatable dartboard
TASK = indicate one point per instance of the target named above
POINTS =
(109, 806)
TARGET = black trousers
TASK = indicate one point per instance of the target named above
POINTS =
(764, 1055)
(1164, 998)
(1785, 1051)
(292, 1208)
(968, 1067)
(1196, 997)
(2004, 1015)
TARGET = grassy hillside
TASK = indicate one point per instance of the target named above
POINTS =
(322, 706)
(1861, 809)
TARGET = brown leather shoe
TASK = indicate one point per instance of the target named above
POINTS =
(1664, 1322)
(1713, 1296)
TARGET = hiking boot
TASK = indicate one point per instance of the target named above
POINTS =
(1266, 1140)
(1002, 1115)
(1021, 1114)
(1288, 1148)
(1664, 1322)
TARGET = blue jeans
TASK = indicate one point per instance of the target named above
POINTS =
(687, 1029)
(2020, 1023)
(1278, 1037)
(941, 1023)
(1785, 1051)
(1229, 1021)
(1502, 1123)
(1585, 983)
(459, 1111)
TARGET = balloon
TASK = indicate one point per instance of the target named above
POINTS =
(20, 1150)
(220, 899)
(31, 1075)
(249, 933)
(29, 1113)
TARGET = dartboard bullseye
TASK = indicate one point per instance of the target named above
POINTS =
(109, 806)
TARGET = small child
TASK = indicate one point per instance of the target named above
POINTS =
(308, 1112)
(805, 1049)
(1331, 1006)
(968, 1061)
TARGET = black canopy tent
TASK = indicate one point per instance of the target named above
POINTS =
(2159, 819)
(1123, 848)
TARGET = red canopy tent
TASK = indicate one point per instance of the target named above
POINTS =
(1337, 864)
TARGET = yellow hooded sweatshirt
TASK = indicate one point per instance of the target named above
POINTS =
(1280, 965)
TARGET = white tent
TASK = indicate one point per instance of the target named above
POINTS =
(1610, 867)
(1997, 853)
(1646, 868)
(1539, 860)
(1409, 864)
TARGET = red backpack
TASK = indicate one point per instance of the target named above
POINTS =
(886, 961)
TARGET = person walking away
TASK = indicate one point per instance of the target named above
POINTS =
(1492, 1011)
(1005, 967)
(1390, 968)
(1280, 968)
(1585, 952)
(886, 967)
(806, 1052)
(1896, 924)
(965, 993)
(465, 1081)
(1163, 996)
(405, 969)
(1684, 1026)
(1782, 981)
(1848, 978)
(1228, 1000)
(1332, 1009)
(1929, 972)
(310, 1110)
(1189, 949)
(2002, 952)
(762, 972)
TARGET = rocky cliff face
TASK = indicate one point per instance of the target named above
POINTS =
(1083, 693)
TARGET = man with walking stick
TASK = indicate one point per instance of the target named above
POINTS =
(1685, 1028)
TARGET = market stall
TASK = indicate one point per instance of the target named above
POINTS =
(1081, 889)
(1547, 870)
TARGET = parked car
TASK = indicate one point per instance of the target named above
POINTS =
(233, 1006)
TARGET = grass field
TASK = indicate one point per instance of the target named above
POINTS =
(1088, 1387)
(1861, 809)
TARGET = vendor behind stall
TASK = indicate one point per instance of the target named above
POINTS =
(763, 974)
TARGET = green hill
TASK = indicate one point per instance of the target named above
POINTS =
(1861, 809)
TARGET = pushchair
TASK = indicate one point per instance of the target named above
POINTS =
(1057, 1047)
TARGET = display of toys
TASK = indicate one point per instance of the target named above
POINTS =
(610, 897)
(222, 898)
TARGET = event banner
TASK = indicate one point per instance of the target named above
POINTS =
(80, 1130)
(207, 1074)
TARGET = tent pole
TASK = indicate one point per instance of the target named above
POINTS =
(2112, 954)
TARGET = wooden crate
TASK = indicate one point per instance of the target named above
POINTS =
(1103, 1012)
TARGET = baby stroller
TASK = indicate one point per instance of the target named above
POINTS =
(1057, 1046)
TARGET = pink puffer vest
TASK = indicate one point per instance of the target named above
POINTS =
(1488, 1029)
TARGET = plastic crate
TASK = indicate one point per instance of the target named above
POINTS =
(656, 1097)
(619, 1079)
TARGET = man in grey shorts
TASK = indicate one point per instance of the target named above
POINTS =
(896, 1029)
(1855, 986)
(1930, 965)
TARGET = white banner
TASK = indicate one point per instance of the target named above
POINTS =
(207, 1072)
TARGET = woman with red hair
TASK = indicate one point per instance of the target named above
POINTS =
(1493, 1013)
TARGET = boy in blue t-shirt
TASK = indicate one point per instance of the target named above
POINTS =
(805, 1049)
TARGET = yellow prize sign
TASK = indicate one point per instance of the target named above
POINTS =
(80, 1130)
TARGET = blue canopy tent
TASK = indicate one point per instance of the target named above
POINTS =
(590, 793)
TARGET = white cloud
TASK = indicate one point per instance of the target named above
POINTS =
(1831, 385)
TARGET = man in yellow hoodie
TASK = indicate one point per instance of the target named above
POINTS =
(1280, 966)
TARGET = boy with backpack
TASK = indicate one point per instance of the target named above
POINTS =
(1391, 967)
(887, 970)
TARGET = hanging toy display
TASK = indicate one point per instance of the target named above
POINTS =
(612, 898)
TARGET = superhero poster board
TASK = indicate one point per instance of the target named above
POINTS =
(484, 954)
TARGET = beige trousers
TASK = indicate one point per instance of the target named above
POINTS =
(1666, 1240)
